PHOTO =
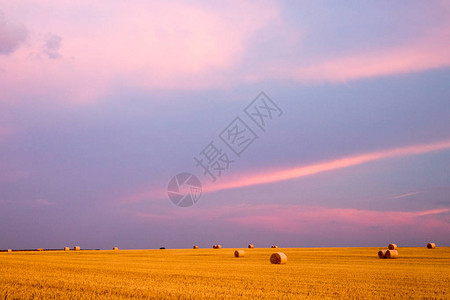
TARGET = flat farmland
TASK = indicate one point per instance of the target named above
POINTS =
(216, 273)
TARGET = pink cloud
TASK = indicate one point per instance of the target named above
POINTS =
(152, 45)
(299, 219)
(272, 176)
(183, 45)
(292, 173)
(424, 54)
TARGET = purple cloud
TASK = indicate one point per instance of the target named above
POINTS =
(12, 35)
(52, 45)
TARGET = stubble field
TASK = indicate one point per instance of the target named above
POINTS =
(216, 273)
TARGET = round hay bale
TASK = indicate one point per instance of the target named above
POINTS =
(274, 246)
(278, 258)
(251, 246)
(392, 247)
(219, 246)
(115, 248)
(9, 250)
(195, 247)
(77, 248)
(382, 253)
(40, 249)
(431, 245)
(392, 254)
(66, 249)
(239, 253)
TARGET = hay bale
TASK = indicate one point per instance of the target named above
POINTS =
(392, 247)
(251, 246)
(66, 249)
(195, 247)
(115, 248)
(278, 258)
(382, 253)
(39, 249)
(217, 247)
(9, 250)
(239, 253)
(274, 246)
(392, 254)
(77, 248)
(431, 245)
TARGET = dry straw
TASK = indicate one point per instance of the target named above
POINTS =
(431, 245)
(392, 254)
(382, 253)
(116, 248)
(278, 258)
(195, 247)
(77, 248)
(66, 249)
(239, 253)
(392, 247)
(251, 246)
(274, 246)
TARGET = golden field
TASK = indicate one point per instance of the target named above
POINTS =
(216, 273)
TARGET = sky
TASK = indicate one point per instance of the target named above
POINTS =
(303, 124)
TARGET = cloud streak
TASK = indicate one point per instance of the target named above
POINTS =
(293, 173)
(305, 219)
(405, 195)
(273, 176)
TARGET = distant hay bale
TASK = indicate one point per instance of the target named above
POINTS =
(40, 249)
(115, 248)
(392, 247)
(77, 248)
(382, 253)
(431, 245)
(217, 247)
(274, 246)
(239, 253)
(251, 246)
(66, 249)
(9, 250)
(278, 258)
(391, 254)
(195, 247)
